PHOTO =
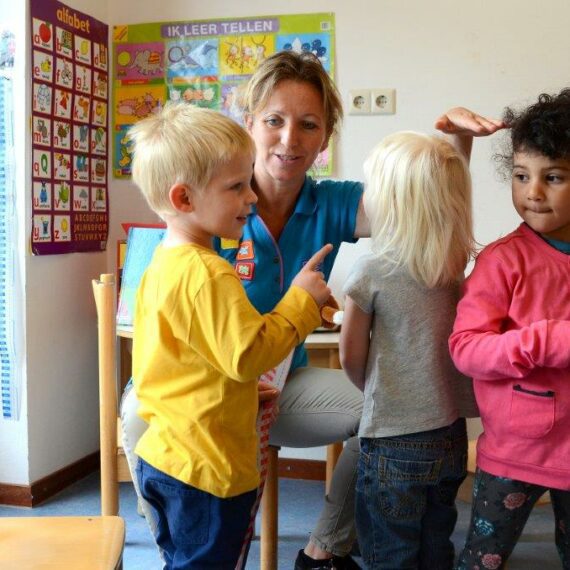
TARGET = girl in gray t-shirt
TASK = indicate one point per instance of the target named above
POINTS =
(399, 312)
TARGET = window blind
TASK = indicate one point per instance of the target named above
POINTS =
(8, 385)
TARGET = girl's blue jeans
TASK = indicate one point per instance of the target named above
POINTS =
(405, 498)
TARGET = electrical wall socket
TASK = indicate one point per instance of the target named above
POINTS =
(359, 102)
(382, 101)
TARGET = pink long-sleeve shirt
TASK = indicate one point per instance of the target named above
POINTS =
(512, 335)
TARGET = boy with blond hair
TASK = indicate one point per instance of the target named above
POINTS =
(199, 344)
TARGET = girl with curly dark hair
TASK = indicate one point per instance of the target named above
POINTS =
(512, 335)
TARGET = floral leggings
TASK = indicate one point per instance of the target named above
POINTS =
(500, 510)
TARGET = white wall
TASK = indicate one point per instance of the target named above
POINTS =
(436, 54)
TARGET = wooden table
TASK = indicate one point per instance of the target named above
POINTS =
(322, 349)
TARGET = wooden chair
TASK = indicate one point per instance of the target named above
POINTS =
(52, 543)
(114, 467)
(104, 291)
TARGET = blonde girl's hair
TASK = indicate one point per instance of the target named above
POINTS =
(182, 144)
(302, 67)
(418, 201)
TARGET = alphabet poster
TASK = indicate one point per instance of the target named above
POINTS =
(203, 62)
(70, 67)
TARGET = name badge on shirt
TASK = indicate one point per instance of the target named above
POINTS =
(245, 270)
(245, 250)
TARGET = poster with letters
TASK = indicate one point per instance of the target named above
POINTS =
(203, 62)
(70, 94)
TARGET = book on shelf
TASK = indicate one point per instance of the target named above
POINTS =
(141, 243)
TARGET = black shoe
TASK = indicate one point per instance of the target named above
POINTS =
(304, 562)
(345, 563)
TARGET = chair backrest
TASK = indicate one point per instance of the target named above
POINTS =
(86, 543)
(104, 291)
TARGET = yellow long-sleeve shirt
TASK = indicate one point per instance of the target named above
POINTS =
(199, 346)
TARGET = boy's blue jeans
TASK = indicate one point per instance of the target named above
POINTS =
(195, 530)
(405, 498)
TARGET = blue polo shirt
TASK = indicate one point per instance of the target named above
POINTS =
(325, 213)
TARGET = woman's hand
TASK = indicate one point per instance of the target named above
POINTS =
(463, 122)
(268, 393)
(462, 125)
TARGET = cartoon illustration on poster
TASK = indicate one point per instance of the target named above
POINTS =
(61, 196)
(204, 63)
(140, 63)
(42, 195)
(202, 91)
(137, 102)
(64, 73)
(241, 55)
(41, 131)
(43, 66)
(41, 98)
(81, 198)
(99, 117)
(69, 130)
(61, 135)
(192, 58)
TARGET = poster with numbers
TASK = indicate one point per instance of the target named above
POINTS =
(204, 62)
(70, 94)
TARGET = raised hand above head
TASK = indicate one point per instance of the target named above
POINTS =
(462, 121)
(462, 125)
(268, 393)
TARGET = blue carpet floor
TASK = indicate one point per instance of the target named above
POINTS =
(300, 504)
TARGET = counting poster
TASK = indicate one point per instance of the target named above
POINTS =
(70, 67)
(203, 62)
